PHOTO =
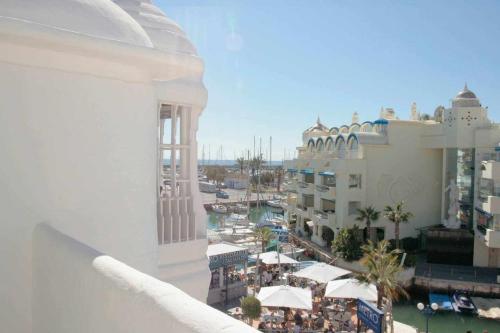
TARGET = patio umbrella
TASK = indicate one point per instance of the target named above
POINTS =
(271, 258)
(321, 272)
(351, 288)
(286, 296)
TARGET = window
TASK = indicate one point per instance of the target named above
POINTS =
(215, 281)
(328, 206)
(355, 181)
(175, 224)
(308, 200)
(309, 178)
(329, 181)
(353, 207)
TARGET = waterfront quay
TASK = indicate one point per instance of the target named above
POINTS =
(235, 197)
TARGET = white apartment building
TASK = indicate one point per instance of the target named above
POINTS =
(95, 235)
(446, 169)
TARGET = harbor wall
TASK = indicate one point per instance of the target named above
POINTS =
(449, 286)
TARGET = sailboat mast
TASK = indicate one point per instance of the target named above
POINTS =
(249, 193)
(270, 151)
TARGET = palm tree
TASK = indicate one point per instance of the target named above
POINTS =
(279, 175)
(368, 215)
(241, 164)
(397, 215)
(256, 164)
(264, 235)
(382, 270)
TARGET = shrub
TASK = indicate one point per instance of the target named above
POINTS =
(410, 261)
(409, 244)
(347, 244)
(328, 235)
(250, 306)
(307, 230)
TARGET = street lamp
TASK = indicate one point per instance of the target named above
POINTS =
(428, 311)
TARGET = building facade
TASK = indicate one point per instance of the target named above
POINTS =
(95, 235)
(442, 166)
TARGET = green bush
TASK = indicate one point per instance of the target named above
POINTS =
(307, 230)
(250, 306)
(328, 235)
(410, 261)
(409, 244)
(347, 244)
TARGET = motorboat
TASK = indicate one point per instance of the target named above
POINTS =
(240, 208)
(237, 218)
(220, 209)
(462, 303)
(275, 203)
(276, 220)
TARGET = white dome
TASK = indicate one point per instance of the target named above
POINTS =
(96, 18)
(165, 34)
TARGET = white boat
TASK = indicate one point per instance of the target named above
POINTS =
(240, 208)
(237, 218)
(276, 220)
(275, 203)
(221, 209)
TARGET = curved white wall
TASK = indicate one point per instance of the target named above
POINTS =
(78, 152)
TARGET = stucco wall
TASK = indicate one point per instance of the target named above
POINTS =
(78, 152)
(405, 170)
(77, 289)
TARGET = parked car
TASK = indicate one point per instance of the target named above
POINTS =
(222, 195)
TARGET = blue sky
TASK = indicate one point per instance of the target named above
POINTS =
(272, 67)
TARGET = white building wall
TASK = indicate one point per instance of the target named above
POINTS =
(78, 152)
(404, 170)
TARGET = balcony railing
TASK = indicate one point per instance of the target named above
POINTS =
(303, 184)
(322, 188)
(321, 214)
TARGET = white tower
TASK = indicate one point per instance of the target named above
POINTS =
(355, 118)
(414, 114)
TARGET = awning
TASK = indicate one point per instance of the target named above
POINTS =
(307, 171)
(224, 254)
(292, 170)
(326, 173)
(381, 121)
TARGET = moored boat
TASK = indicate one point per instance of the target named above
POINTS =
(275, 203)
(221, 209)
(462, 303)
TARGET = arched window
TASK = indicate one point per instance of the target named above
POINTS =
(310, 145)
(330, 144)
(340, 146)
(319, 145)
(366, 127)
(354, 128)
(352, 143)
(334, 131)
(344, 129)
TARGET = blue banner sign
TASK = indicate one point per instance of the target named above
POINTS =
(370, 316)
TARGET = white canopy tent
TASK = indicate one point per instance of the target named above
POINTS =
(286, 296)
(271, 258)
(351, 288)
(321, 272)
